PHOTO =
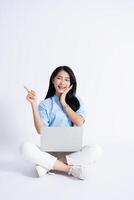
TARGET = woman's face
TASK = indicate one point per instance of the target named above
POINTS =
(61, 82)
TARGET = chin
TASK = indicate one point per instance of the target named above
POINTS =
(60, 91)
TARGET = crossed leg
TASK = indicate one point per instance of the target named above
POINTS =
(86, 156)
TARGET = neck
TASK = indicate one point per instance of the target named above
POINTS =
(58, 95)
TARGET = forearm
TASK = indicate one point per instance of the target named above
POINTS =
(77, 119)
(38, 123)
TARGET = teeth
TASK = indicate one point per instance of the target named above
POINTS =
(62, 88)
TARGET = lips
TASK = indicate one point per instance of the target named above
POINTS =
(61, 88)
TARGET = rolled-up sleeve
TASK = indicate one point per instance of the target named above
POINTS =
(42, 108)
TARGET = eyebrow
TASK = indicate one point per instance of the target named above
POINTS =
(62, 76)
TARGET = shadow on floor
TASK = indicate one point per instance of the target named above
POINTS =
(18, 166)
(21, 166)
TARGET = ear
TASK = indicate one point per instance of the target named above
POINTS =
(53, 80)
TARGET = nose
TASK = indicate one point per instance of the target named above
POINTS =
(62, 82)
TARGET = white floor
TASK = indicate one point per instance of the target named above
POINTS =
(112, 178)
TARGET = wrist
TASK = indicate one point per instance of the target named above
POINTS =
(65, 106)
(34, 105)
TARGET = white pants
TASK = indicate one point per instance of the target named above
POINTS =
(86, 156)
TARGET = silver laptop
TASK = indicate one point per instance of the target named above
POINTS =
(61, 139)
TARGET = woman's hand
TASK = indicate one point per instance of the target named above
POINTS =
(31, 96)
(63, 96)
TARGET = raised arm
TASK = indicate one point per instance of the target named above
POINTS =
(32, 98)
(76, 118)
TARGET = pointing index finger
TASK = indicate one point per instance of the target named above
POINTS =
(26, 89)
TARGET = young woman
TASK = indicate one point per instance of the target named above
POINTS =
(60, 108)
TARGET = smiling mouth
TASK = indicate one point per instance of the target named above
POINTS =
(61, 88)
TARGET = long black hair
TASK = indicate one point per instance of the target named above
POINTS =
(71, 99)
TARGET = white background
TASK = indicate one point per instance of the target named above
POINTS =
(94, 38)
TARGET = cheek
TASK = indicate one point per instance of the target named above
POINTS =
(56, 82)
(68, 84)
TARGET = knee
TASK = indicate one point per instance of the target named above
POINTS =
(25, 147)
